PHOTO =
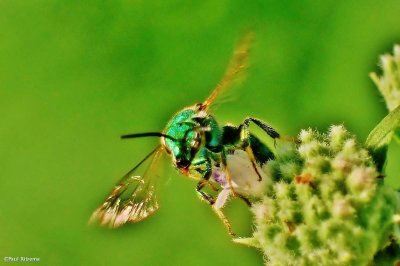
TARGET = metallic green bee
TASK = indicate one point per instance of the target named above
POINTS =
(228, 159)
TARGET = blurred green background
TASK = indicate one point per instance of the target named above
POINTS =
(75, 75)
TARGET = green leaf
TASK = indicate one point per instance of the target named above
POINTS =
(381, 135)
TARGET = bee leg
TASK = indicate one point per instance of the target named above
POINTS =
(229, 179)
(246, 200)
(212, 186)
(253, 161)
(222, 198)
(268, 129)
(227, 224)
(204, 181)
(228, 175)
(245, 136)
(206, 197)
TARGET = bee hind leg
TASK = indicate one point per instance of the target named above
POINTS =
(208, 198)
(267, 128)
(245, 138)
(246, 200)
(228, 175)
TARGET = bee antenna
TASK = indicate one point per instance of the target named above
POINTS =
(147, 134)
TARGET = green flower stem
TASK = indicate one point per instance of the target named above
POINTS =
(380, 135)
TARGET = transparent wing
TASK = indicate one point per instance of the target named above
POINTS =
(133, 199)
(236, 67)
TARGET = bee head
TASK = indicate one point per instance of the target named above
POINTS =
(185, 147)
(187, 138)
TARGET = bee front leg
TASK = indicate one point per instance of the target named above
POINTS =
(205, 176)
(204, 196)
(222, 216)
(208, 198)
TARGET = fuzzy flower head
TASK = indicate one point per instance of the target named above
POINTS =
(325, 205)
(389, 82)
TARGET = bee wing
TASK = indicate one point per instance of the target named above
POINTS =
(237, 66)
(133, 199)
